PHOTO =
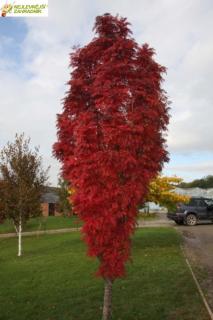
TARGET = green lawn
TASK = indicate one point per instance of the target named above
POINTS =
(42, 223)
(54, 280)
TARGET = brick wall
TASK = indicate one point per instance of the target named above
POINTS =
(45, 209)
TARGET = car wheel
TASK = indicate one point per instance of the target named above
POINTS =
(191, 220)
(179, 222)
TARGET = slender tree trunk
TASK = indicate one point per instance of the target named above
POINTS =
(107, 307)
(16, 229)
(19, 237)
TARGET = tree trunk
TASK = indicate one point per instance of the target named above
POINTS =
(16, 229)
(19, 237)
(107, 307)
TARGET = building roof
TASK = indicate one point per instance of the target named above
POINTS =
(49, 197)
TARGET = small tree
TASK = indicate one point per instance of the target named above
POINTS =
(162, 192)
(22, 183)
(65, 205)
(110, 140)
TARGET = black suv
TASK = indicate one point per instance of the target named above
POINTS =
(196, 209)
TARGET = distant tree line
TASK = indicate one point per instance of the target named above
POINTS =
(204, 183)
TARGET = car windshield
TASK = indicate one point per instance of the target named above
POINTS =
(209, 202)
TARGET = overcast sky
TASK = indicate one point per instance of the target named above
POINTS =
(34, 59)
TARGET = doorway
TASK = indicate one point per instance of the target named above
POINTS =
(51, 209)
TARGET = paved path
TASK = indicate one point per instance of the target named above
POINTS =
(141, 224)
(156, 223)
(36, 233)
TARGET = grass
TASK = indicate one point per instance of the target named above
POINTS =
(48, 223)
(42, 223)
(54, 280)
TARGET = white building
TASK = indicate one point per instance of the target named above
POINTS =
(196, 192)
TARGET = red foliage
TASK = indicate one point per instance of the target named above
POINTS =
(110, 137)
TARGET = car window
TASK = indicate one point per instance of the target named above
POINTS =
(209, 202)
(201, 203)
(192, 203)
(197, 203)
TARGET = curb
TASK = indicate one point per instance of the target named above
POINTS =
(210, 313)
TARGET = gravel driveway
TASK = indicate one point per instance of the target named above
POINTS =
(199, 249)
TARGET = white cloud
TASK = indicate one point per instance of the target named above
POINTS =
(181, 33)
(190, 172)
(201, 167)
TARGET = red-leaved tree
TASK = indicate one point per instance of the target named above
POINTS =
(111, 140)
